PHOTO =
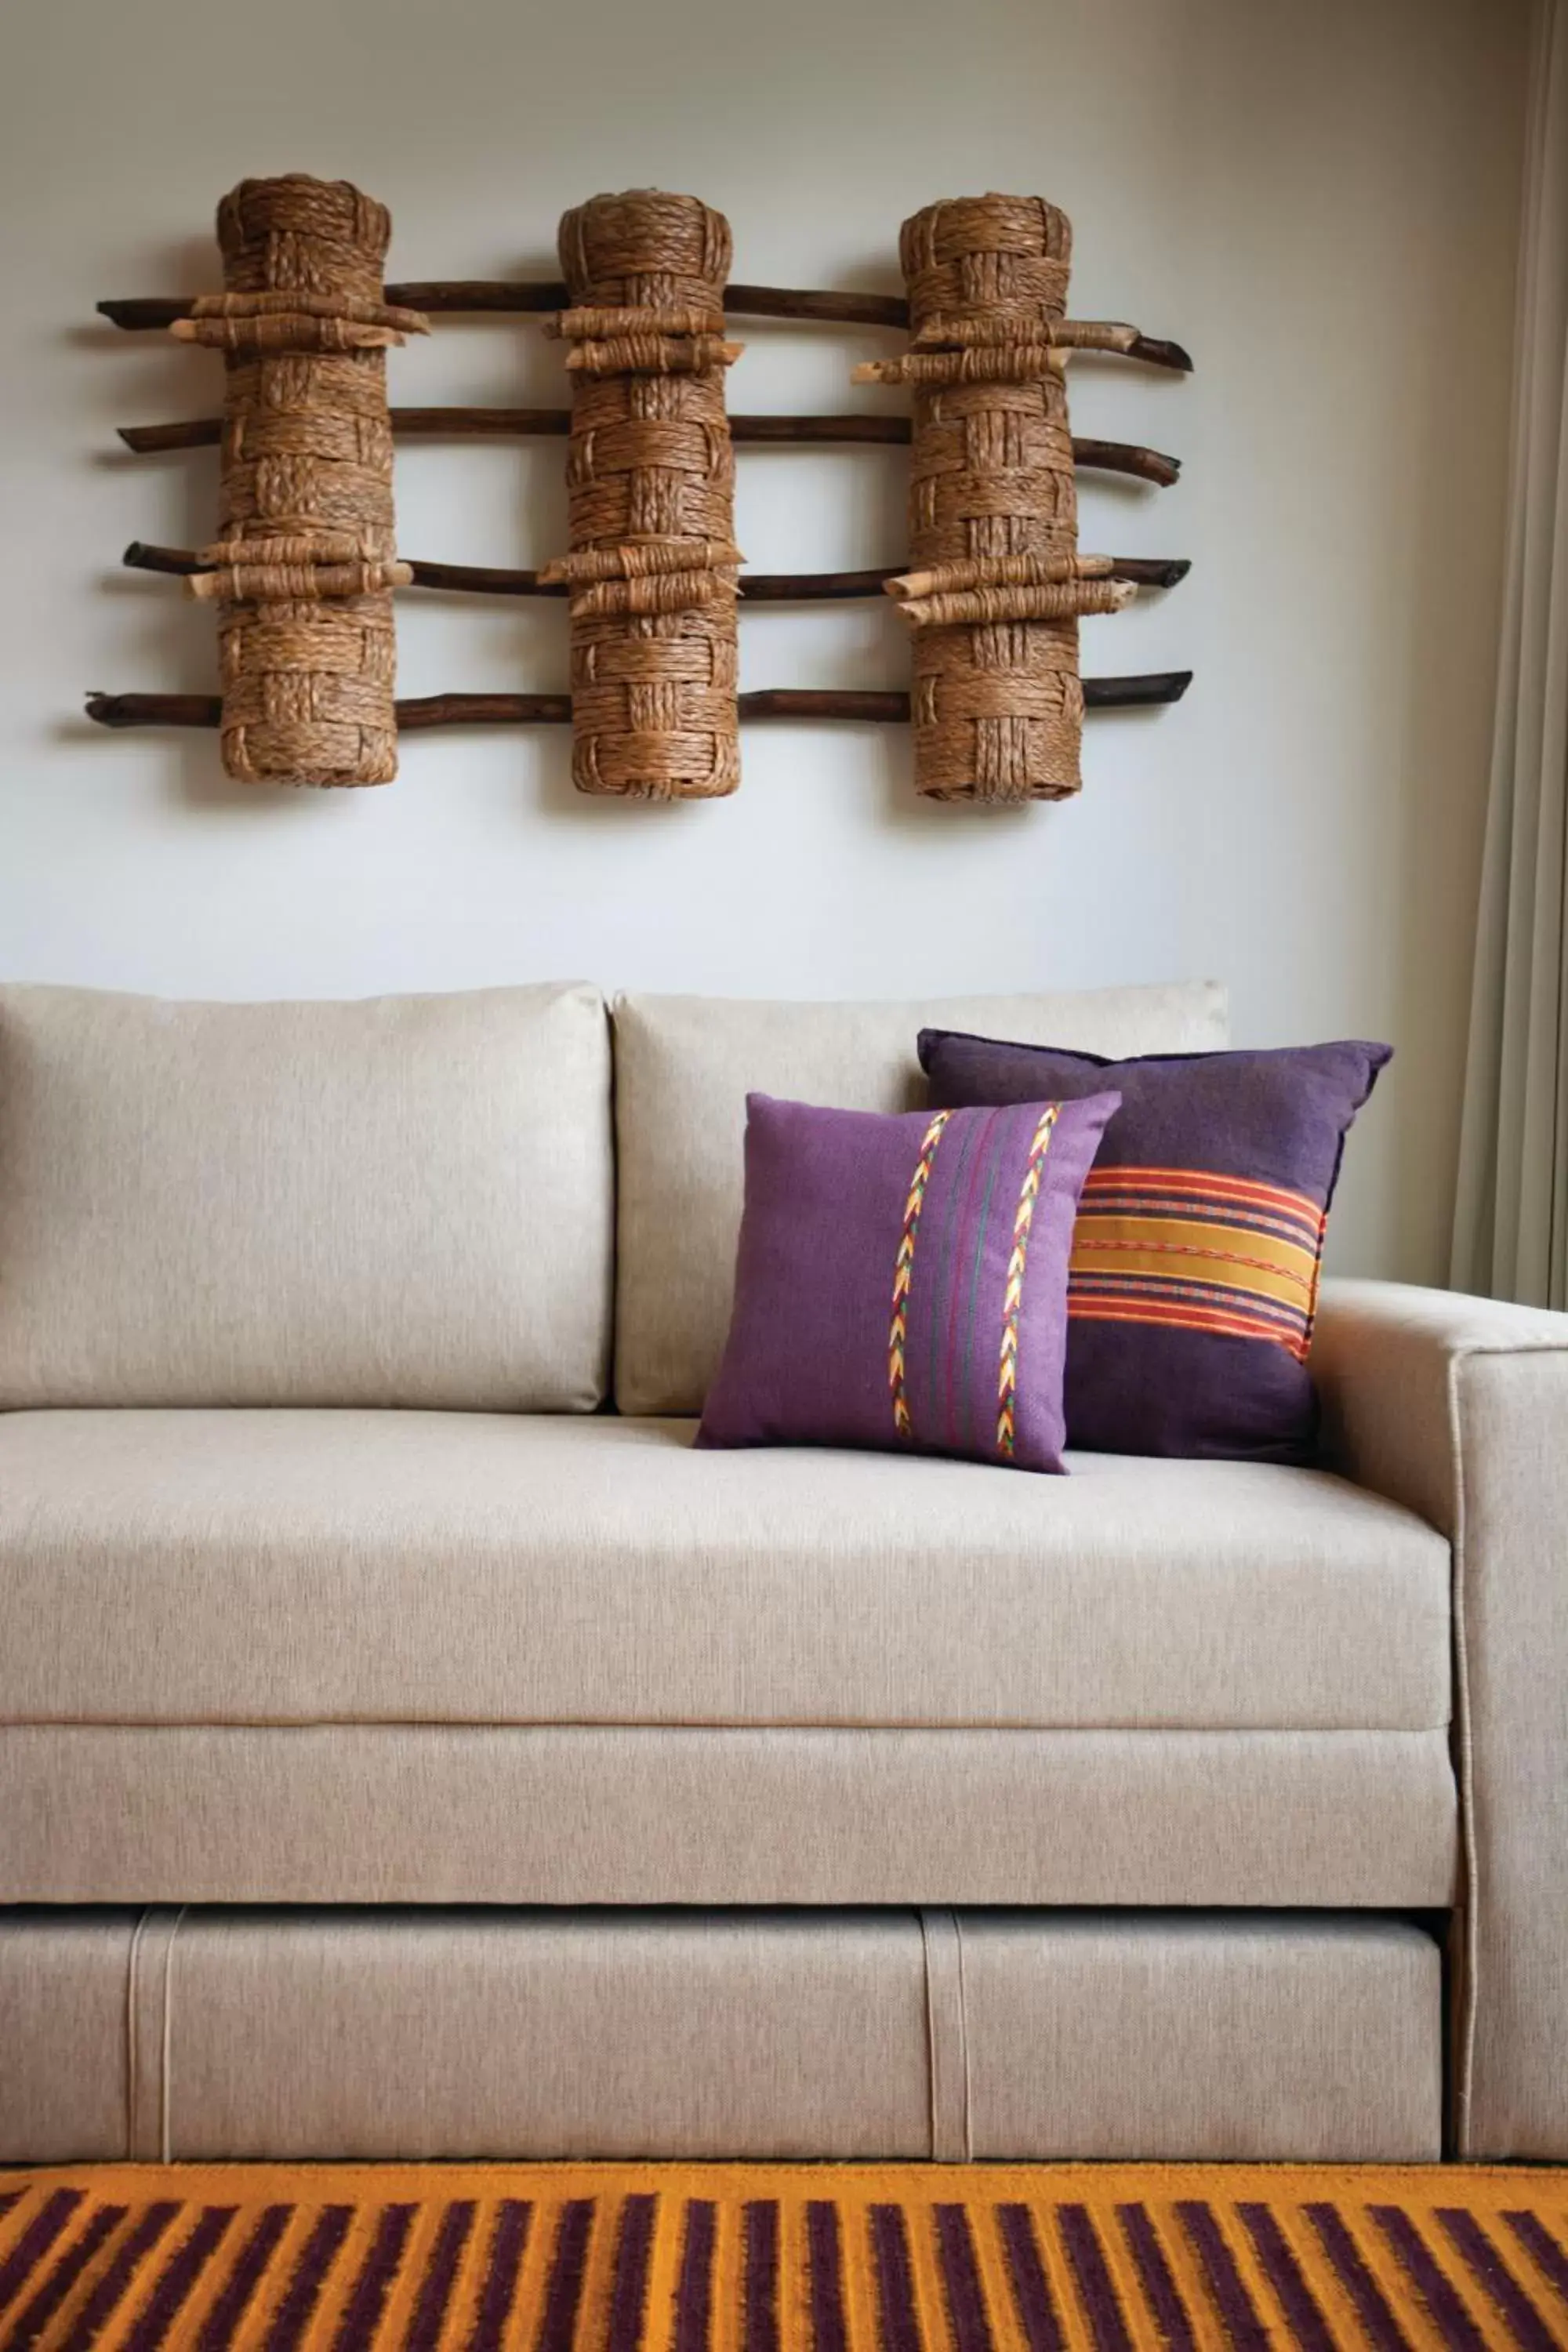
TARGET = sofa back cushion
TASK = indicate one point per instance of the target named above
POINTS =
(406, 1201)
(684, 1066)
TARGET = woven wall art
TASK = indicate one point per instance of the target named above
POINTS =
(304, 563)
(997, 585)
(992, 582)
(651, 481)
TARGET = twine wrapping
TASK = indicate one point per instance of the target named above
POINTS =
(996, 584)
(1056, 601)
(305, 554)
(650, 478)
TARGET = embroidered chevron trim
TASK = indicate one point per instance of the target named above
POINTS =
(903, 1267)
(1013, 1296)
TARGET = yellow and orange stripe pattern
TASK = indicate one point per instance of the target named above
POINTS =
(1189, 1250)
(1013, 1296)
(903, 1268)
(783, 2258)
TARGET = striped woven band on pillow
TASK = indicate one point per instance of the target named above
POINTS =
(1187, 1250)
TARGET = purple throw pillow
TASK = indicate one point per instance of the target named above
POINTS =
(901, 1280)
(1194, 1262)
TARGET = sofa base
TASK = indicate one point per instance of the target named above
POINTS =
(346, 2033)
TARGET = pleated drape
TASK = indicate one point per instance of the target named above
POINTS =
(1511, 1227)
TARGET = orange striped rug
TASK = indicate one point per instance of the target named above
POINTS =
(797, 2258)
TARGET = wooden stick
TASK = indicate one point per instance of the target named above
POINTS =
(756, 587)
(138, 314)
(121, 710)
(451, 297)
(825, 587)
(485, 710)
(467, 423)
(1126, 457)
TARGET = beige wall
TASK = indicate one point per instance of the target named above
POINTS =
(1318, 200)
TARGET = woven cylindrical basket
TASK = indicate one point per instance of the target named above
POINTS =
(997, 705)
(650, 480)
(305, 555)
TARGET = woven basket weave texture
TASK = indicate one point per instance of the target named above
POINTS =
(998, 707)
(308, 680)
(650, 481)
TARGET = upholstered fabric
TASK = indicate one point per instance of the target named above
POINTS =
(1200, 1233)
(684, 1066)
(401, 1201)
(1315, 2033)
(901, 1281)
(415, 1814)
(63, 2055)
(358, 1567)
(762, 2034)
(1458, 1407)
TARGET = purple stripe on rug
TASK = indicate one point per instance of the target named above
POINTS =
(33, 2320)
(828, 2332)
(508, 2241)
(1156, 2278)
(440, 2274)
(1091, 2276)
(1284, 2274)
(694, 2291)
(895, 2280)
(1476, 2251)
(568, 2269)
(320, 2251)
(1383, 2330)
(178, 2277)
(367, 2297)
(221, 2322)
(965, 2295)
(1543, 2249)
(1427, 2276)
(762, 2280)
(1026, 2272)
(34, 2241)
(628, 2291)
(106, 2295)
(1225, 2284)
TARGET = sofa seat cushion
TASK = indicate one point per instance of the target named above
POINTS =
(291, 1567)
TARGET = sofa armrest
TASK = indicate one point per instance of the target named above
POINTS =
(1458, 1407)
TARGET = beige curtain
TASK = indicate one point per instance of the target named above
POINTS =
(1511, 1227)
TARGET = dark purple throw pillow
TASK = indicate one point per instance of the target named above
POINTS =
(1194, 1262)
(901, 1281)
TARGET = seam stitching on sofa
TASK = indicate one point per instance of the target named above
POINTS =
(963, 2040)
(131, 2052)
(947, 2053)
(1463, 2040)
(923, 1917)
(165, 2151)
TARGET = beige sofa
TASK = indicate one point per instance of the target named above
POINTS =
(410, 1746)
